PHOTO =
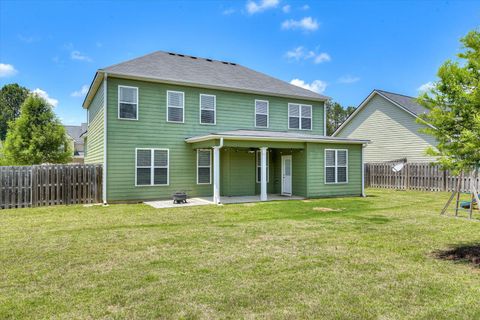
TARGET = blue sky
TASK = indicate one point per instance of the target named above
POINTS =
(343, 49)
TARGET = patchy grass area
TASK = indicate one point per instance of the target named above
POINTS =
(378, 257)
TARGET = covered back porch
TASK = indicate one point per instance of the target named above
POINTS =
(254, 170)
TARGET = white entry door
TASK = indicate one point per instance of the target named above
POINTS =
(287, 175)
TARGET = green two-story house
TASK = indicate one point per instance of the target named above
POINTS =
(167, 122)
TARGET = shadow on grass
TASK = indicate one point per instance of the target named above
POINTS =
(462, 253)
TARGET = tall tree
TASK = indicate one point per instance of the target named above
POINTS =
(336, 115)
(11, 98)
(36, 136)
(454, 104)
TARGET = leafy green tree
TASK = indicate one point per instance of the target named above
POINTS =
(454, 104)
(11, 98)
(36, 136)
(336, 115)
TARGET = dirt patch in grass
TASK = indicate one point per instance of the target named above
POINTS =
(321, 209)
(463, 253)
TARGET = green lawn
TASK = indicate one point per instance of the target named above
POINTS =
(374, 257)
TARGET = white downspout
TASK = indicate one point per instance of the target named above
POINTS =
(363, 173)
(104, 176)
(216, 172)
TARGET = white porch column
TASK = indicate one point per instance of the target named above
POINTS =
(216, 175)
(263, 178)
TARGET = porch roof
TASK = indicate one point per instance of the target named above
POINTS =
(279, 136)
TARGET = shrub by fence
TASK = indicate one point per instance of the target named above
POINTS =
(45, 185)
(416, 176)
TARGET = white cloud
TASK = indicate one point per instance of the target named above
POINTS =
(80, 93)
(300, 53)
(7, 70)
(306, 24)
(228, 12)
(76, 55)
(43, 94)
(286, 8)
(305, 7)
(426, 87)
(317, 86)
(262, 5)
(348, 79)
(322, 57)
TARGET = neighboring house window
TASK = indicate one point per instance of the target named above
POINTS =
(127, 103)
(261, 113)
(336, 166)
(299, 116)
(204, 166)
(152, 167)
(208, 107)
(259, 166)
(175, 106)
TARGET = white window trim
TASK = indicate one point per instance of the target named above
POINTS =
(152, 167)
(258, 155)
(300, 105)
(267, 114)
(183, 106)
(214, 109)
(118, 107)
(336, 166)
(210, 166)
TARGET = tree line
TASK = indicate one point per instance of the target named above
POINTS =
(30, 131)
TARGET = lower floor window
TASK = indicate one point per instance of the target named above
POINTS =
(336, 166)
(204, 166)
(152, 167)
(259, 166)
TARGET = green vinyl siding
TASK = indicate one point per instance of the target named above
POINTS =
(238, 167)
(95, 142)
(404, 139)
(151, 130)
(316, 171)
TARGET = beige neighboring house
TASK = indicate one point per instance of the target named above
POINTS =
(388, 120)
(75, 134)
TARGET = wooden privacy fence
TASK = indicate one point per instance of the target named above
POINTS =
(46, 185)
(416, 176)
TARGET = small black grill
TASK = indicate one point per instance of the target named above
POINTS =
(179, 197)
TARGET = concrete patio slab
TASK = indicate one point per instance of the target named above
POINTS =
(202, 201)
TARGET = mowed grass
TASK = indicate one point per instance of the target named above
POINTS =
(374, 258)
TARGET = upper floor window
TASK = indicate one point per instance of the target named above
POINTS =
(175, 106)
(261, 113)
(152, 166)
(336, 166)
(299, 116)
(208, 107)
(127, 103)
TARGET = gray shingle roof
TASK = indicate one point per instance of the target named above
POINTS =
(76, 131)
(178, 68)
(276, 135)
(409, 103)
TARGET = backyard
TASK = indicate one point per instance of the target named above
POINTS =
(384, 256)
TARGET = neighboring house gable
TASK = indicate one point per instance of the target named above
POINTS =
(74, 134)
(389, 121)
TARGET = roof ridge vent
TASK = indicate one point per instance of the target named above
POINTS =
(193, 57)
(180, 55)
(233, 64)
(225, 62)
(171, 53)
(209, 60)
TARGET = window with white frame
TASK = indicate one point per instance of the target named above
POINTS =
(204, 166)
(259, 166)
(299, 116)
(208, 107)
(127, 103)
(175, 106)
(152, 167)
(261, 113)
(336, 166)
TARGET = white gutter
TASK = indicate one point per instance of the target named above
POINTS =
(281, 139)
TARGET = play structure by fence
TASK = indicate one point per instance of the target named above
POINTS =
(46, 185)
(416, 176)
